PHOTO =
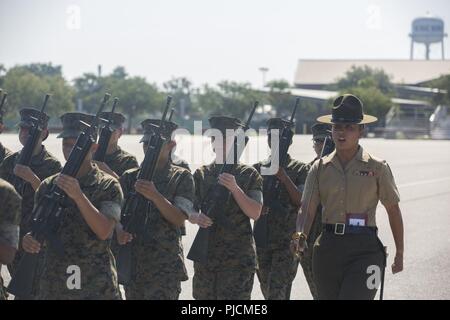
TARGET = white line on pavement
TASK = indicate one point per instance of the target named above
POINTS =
(422, 182)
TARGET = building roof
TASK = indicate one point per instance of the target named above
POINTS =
(408, 72)
(326, 95)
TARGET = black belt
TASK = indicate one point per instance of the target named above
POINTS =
(342, 228)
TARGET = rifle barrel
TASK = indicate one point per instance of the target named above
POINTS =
(255, 105)
(116, 100)
(297, 103)
(3, 100)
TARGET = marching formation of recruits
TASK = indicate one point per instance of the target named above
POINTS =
(323, 219)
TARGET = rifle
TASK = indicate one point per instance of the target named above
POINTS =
(212, 206)
(105, 136)
(49, 212)
(171, 114)
(328, 147)
(272, 187)
(2, 103)
(25, 155)
(134, 220)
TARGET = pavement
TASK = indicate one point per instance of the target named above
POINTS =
(422, 172)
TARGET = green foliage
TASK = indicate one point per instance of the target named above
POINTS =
(27, 86)
(136, 96)
(365, 77)
(279, 97)
(228, 98)
(442, 83)
(181, 90)
(372, 86)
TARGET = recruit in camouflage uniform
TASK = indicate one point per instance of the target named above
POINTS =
(117, 160)
(157, 256)
(277, 267)
(43, 164)
(230, 269)
(177, 161)
(9, 225)
(87, 268)
(319, 132)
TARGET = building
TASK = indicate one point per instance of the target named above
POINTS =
(410, 110)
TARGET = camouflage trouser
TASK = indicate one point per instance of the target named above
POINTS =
(222, 285)
(277, 270)
(40, 265)
(306, 260)
(159, 286)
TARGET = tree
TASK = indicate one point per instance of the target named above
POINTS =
(443, 83)
(137, 98)
(181, 90)
(365, 77)
(27, 88)
(228, 98)
(43, 69)
(279, 97)
(372, 86)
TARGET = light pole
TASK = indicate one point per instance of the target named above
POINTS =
(263, 71)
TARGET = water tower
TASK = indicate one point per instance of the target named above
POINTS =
(427, 30)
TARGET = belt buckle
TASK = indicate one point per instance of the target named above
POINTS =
(339, 229)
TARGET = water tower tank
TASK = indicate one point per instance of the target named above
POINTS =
(427, 30)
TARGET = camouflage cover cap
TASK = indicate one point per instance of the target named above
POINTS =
(26, 115)
(321, 130)
(149, 126)
(72, 127)
(117, 119)
(223, 123)
(279, 123)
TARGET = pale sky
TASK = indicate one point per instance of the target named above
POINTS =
(208, 40)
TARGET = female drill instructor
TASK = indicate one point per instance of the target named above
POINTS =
(348, 183)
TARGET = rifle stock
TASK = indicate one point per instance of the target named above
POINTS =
(3, 102)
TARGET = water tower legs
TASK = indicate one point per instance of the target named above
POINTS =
(411, 55)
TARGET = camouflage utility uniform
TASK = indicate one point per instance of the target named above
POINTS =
(9, 221)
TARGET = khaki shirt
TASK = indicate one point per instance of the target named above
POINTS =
(350, 192)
